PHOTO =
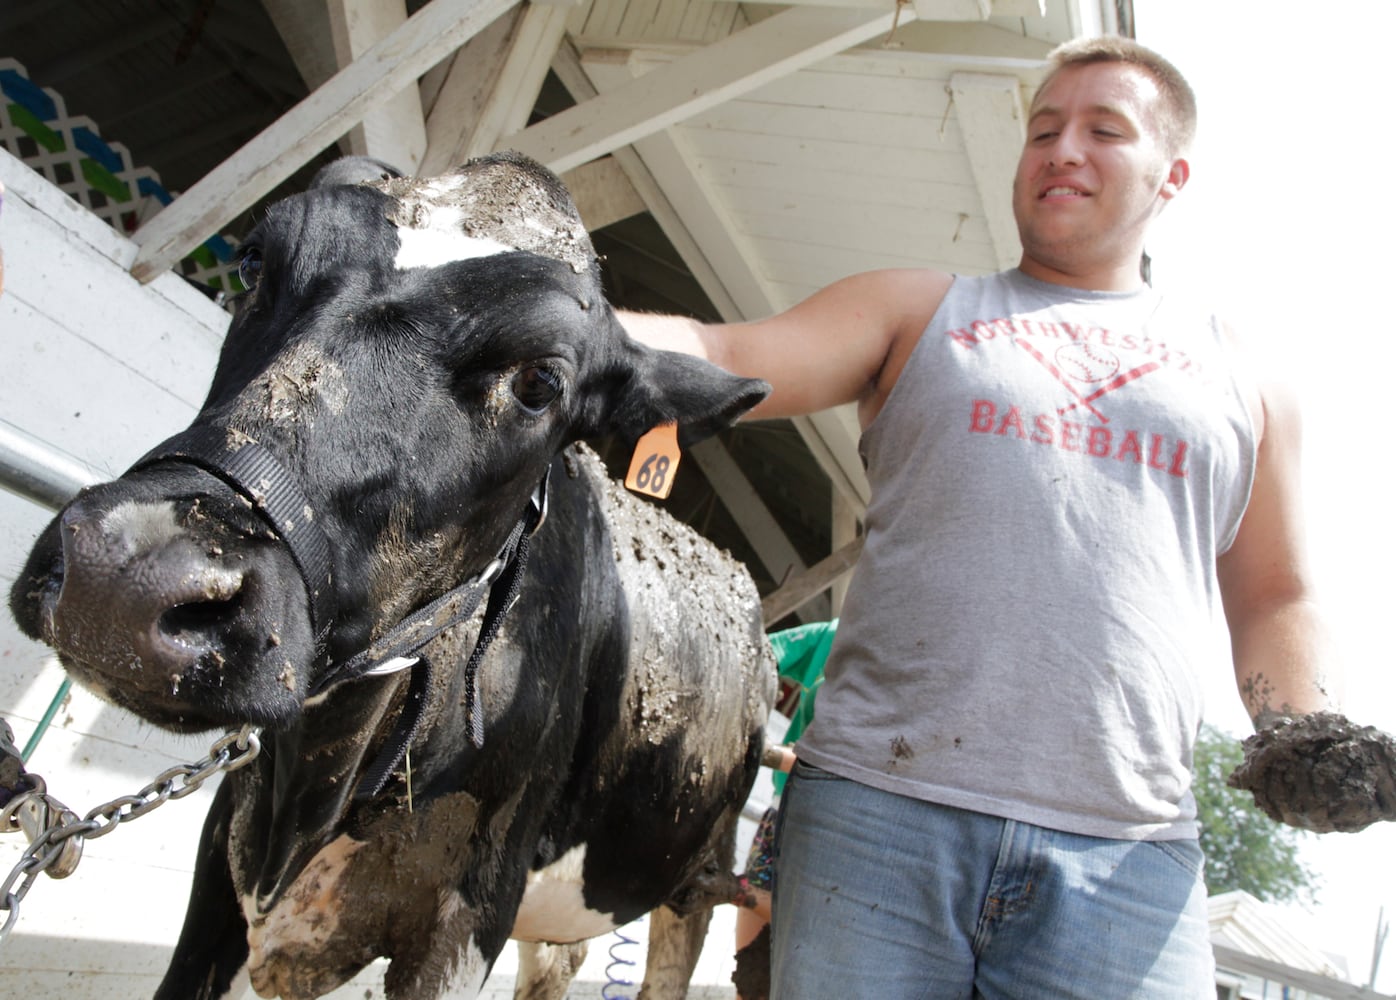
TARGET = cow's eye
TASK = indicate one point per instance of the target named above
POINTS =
(536, 386)
(250, 267)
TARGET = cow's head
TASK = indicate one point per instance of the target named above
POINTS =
(411, 355)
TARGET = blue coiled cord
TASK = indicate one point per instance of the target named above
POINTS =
(614, 980)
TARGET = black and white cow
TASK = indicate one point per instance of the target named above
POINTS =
(399, 401)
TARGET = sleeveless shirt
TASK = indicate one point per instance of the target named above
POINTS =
(1053, 476)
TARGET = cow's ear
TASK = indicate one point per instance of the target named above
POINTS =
(353, 170)
(666, 387)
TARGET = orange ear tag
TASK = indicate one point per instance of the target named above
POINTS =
(655, 462)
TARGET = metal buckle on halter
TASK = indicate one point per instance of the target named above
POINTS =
(539, 499)
(391, 666)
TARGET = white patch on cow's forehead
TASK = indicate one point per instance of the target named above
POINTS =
(480, 211)
(442, 240)
(553, 909)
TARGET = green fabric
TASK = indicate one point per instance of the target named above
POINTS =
(800, 654)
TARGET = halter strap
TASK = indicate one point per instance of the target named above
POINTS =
(255, 474)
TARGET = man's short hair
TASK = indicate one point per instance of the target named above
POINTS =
(1179, 110)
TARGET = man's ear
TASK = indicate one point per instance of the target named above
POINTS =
(1177, 176)
(666, 387)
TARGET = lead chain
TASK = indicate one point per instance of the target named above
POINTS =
(56, 834)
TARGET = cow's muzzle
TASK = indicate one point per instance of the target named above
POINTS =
(256, 474)
(170, 610)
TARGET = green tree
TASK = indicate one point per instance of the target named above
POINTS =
(1244, 848)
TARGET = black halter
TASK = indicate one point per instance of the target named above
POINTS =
(255, 474)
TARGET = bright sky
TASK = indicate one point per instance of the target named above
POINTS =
(1288, 218)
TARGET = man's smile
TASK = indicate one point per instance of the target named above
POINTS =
(1062, 191)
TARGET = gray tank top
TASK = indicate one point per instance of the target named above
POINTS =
(1054, 475)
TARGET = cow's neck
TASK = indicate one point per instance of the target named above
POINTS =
(312, 769)
(400, 648)
(307, 802)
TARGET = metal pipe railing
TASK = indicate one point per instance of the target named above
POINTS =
(35, 471)
(39, 473)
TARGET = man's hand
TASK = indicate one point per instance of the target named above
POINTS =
(1320, 772)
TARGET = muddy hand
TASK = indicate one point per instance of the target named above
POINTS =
(1320, 772)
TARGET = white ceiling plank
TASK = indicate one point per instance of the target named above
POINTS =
(860, 4)
(775, 47)
(395, 131)
(926, 10)
(810, 181)
(859, 225)
(427, 37)
(755, 519)
(887, 166)
(971, 46)
(989, 109)
(796, 270)
(1019, 8)
(824, 85)
(703, 216)
(890, 131)
(492, 87)
(952, 10)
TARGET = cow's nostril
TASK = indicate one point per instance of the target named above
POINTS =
(194, 620)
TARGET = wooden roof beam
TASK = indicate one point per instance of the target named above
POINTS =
(492, 85)
(990, 112)
(716, 73)
(393, 132)
(391, 65)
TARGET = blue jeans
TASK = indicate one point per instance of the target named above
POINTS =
(880, 895)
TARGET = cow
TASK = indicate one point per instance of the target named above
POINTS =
(499, 695)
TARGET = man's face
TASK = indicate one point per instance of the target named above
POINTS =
(1095, 169)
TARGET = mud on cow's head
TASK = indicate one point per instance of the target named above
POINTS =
(411, 355)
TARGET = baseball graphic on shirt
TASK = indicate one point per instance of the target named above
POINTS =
(1086, 362)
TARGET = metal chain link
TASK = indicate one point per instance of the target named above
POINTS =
(57, 835)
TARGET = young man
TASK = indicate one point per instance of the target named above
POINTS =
(1072, 476)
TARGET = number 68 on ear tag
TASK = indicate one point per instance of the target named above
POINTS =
(655, 462)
